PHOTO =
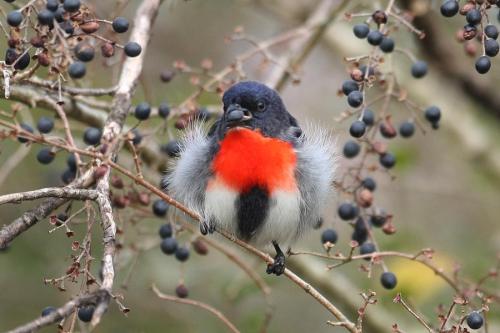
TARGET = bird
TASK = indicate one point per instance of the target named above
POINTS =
(255, 173)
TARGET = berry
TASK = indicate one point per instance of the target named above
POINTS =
(52, 5)
(406, 129)
(137, 137)
(360, 233)
(388, 280)
(449, 8)
(491, 47)
(68, 176)
(71, 162)
(483, 64)
(419, 69)
(164, 110)
(470, 32)
(59, 14)
(329, 235)
(387, 130)
(48, 310)
(165, 230)
(379, 16)
(45, 17)
(160, 208)
(387, 45)
(491, 31)
(355, 99)
(182, 253)
(474, 320)
(27, 128)
(433, 114)
(375, 37)
(45, 156)
(71, 5)
(473, 16)
(349, 86)
(171, 148)
(68, 27)
(347, 211)
(361, 30)
(21, 60)
(168, 245)
(369, 183)
(367, 248)
(85, 313)
(387, 160)
(92, 136)
(379, 218)
(181, 291)
(120, 24)
(371, 70)
(200, 247)
(142, 111)
(77, 70)
(84, 52)
(14, 18)
(132, 49)
(357, 129)
(351, 149)
(45, 124)
(368, 117)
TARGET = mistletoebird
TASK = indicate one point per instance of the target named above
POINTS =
(256, 173)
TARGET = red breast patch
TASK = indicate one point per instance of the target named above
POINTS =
(247, 158)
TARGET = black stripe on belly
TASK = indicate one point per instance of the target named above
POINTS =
(252, 207)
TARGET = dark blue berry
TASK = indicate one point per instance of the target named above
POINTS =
(483, 64)
(68, 27)
(168, 245)
(368, 117)
(77, 70)
(329, 235)
(120, 24)
(137, 137)
(48, 310)
(71, 5)
(491, 47)
(361, 30)
(355, 99)
(351, 149)
(14, 18)
(71, 162)
(357, 129)
(68, 176)
(85, 313)
(21, 60)
(45, 156)
(369, 183)
(360, 233)
(371, 70)
(375, 37)
(449, 8)
(45, 124)
(46, 17)
(475, 320)
(378, 219)
(367, 248)
(164, 110)
(84, 52)
(347, 211)
(419, 69)
(387, 45)
(166, 230)
(171, 148)
(182, 253)
(491, 31)
(473, 16)
(52, 5)
(407, 129)
(433, 114)
(92, 136)
(27, 128)
(160, 208)
(388, 280)
(349, 86)
(142, 111)
(59, 14)
(387, 160)
(132, 49)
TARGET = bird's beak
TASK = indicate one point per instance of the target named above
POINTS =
(237, 115)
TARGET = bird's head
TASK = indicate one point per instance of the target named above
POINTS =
(253, 105)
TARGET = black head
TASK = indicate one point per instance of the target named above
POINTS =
(254, 105)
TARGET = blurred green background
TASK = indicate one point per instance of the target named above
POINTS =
(446, 193)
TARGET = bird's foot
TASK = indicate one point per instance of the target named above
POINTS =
(207, 226)
(278, 266)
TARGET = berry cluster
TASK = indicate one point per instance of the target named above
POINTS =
(478, 30)
(64, 38)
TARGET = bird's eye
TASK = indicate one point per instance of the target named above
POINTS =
(261, 106)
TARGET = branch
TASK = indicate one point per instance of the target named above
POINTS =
(55, 192)
(198, 304)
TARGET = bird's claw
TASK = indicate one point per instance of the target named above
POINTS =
(207, 227)
(278, 266)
